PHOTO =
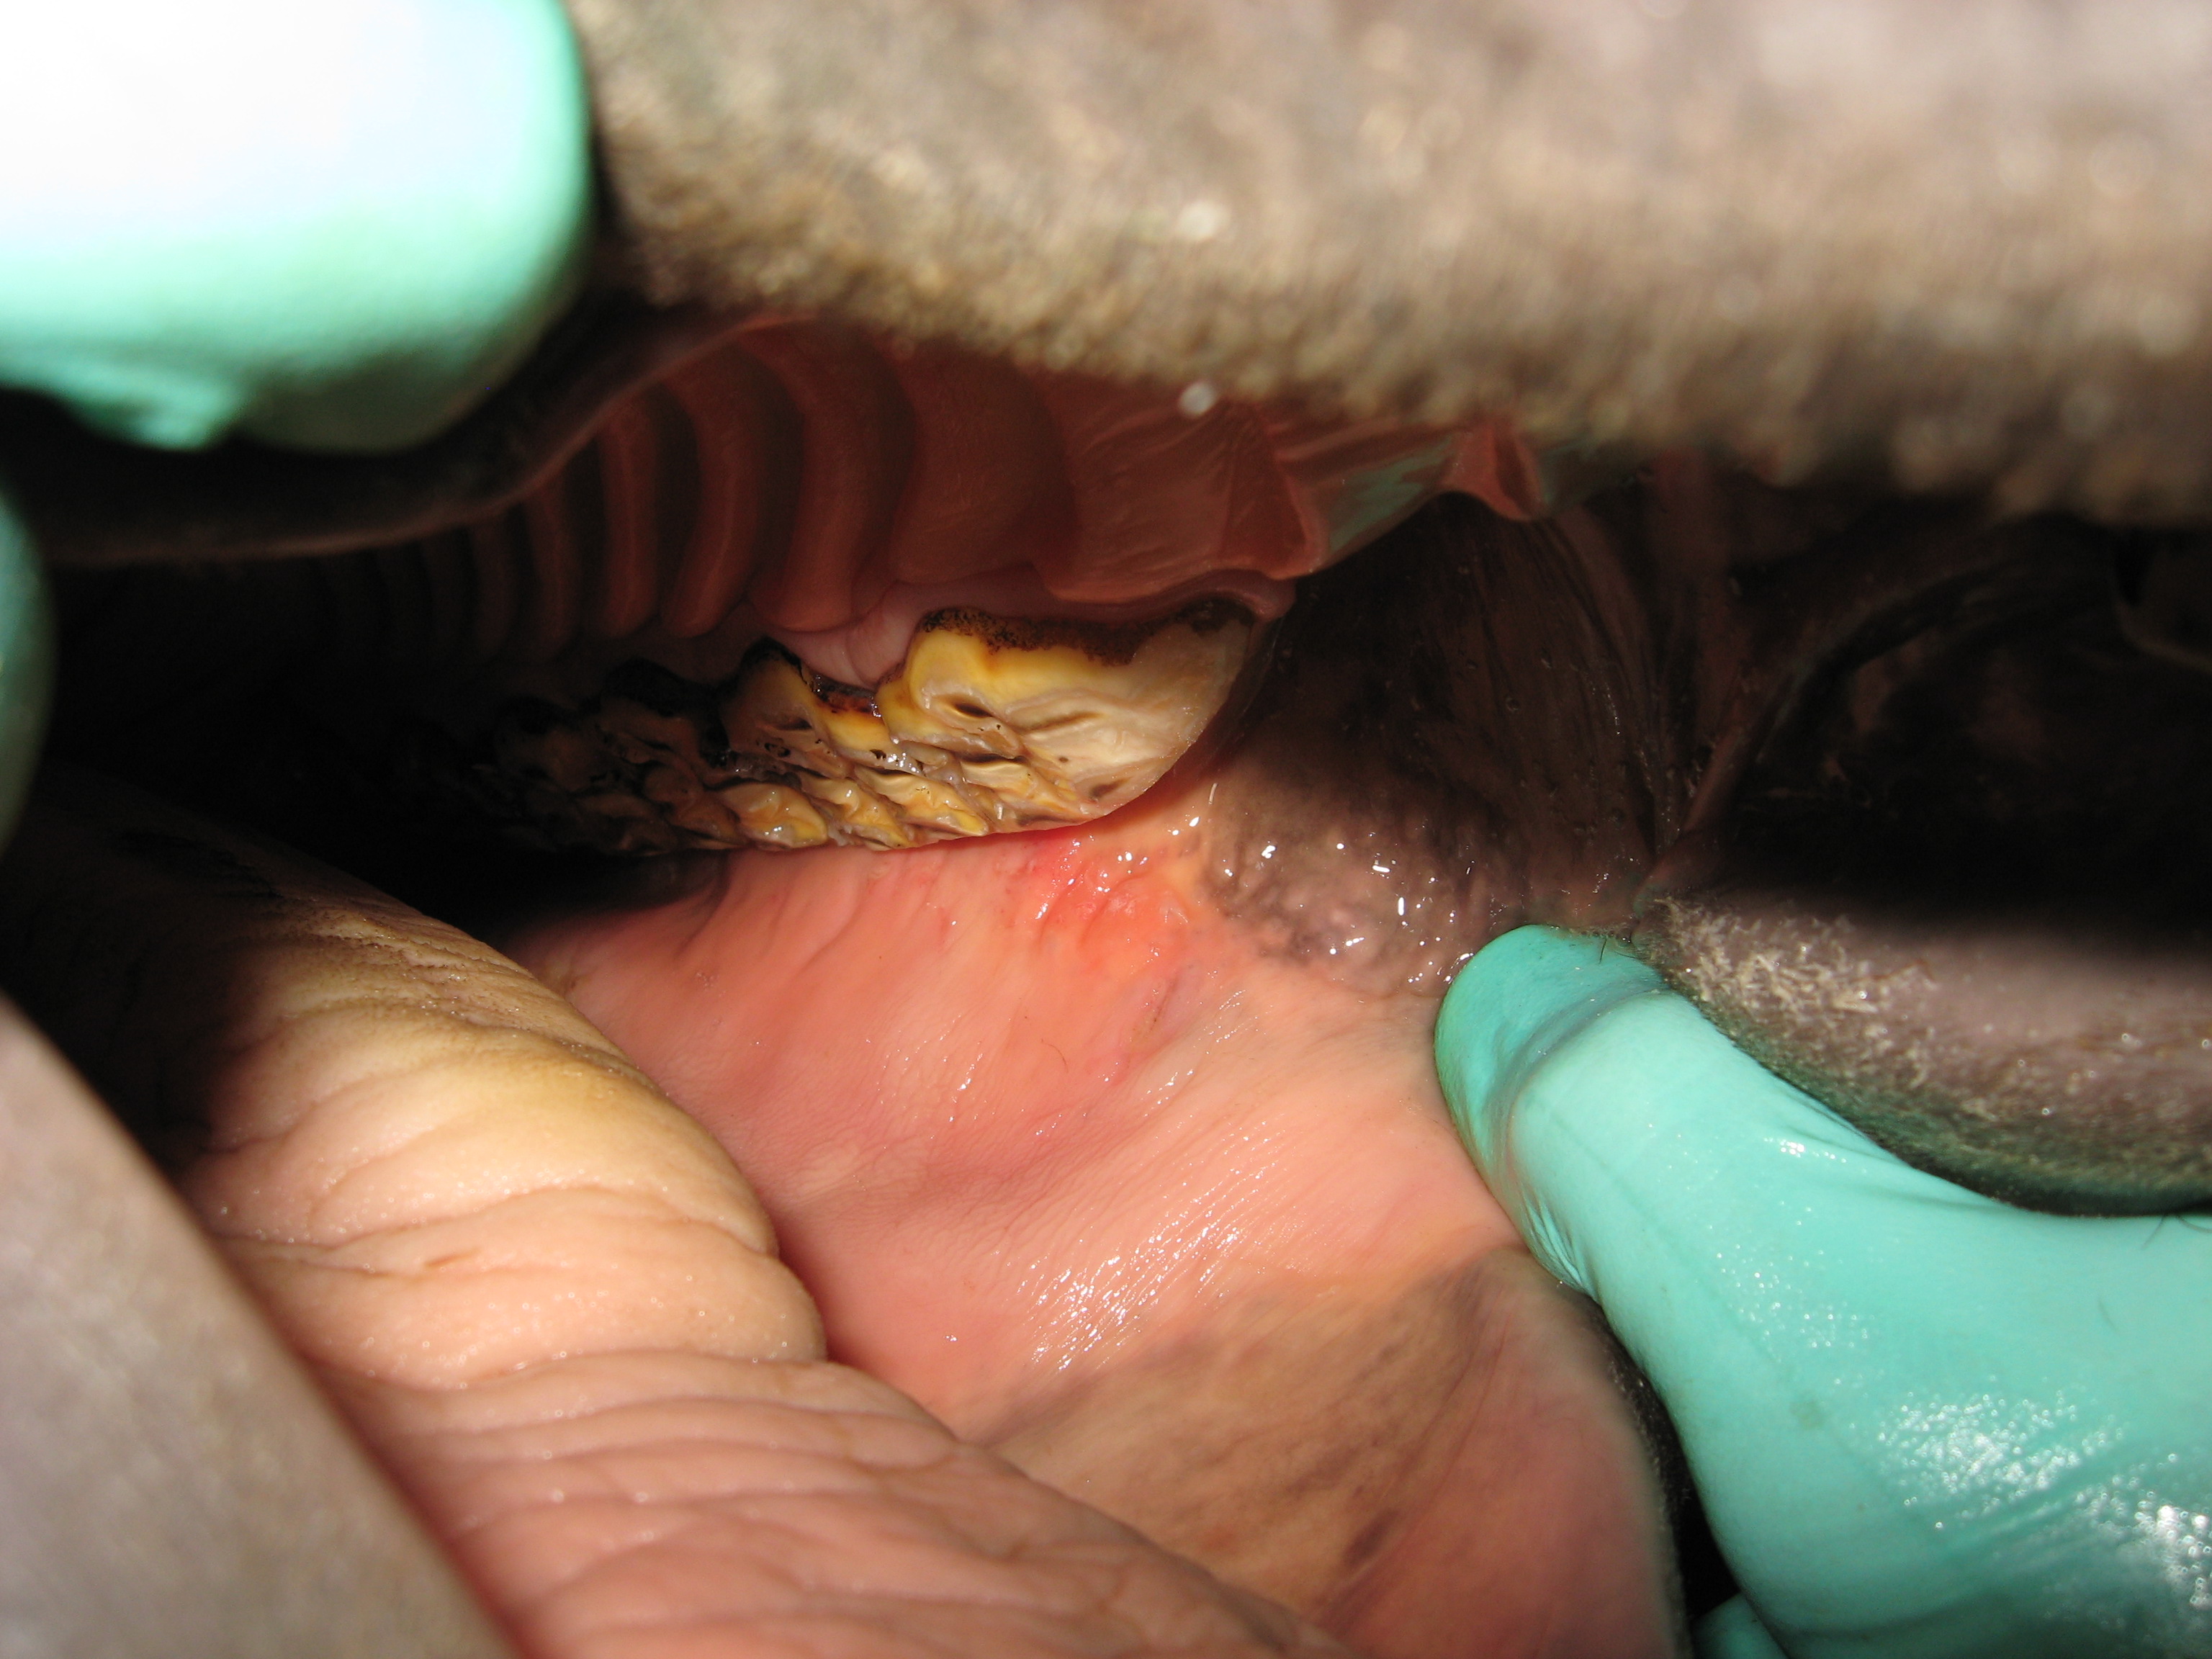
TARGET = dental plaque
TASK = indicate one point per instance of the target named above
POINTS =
(988, 725)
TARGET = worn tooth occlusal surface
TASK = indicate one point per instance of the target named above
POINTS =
(989, 725)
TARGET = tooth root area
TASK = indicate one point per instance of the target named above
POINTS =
(989, 725)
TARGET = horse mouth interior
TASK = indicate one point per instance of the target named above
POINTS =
(1688, 684)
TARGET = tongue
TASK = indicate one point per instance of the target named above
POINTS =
(1176, 1222)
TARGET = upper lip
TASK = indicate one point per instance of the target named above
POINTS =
(1964, 247)
(1960, 250)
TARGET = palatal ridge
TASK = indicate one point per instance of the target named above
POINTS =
(988, 725)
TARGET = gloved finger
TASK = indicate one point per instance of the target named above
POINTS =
(334, 225)
(1922, 1422)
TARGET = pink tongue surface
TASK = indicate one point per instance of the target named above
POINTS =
(1177, 1224)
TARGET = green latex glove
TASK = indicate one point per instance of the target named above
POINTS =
(1922, 1422)
(327, 223)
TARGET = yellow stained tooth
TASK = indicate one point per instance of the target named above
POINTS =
(925, 801)
(940, 696)
(1095, 731)
(1016, 796)
(861, 816)
(776, 816)
(858, 734)
(643, 736)
(775, 712)
(689, 807)
(989, 724)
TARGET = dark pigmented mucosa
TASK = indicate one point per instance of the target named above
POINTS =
(1965, 901)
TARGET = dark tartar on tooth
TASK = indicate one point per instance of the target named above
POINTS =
(989, 725)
